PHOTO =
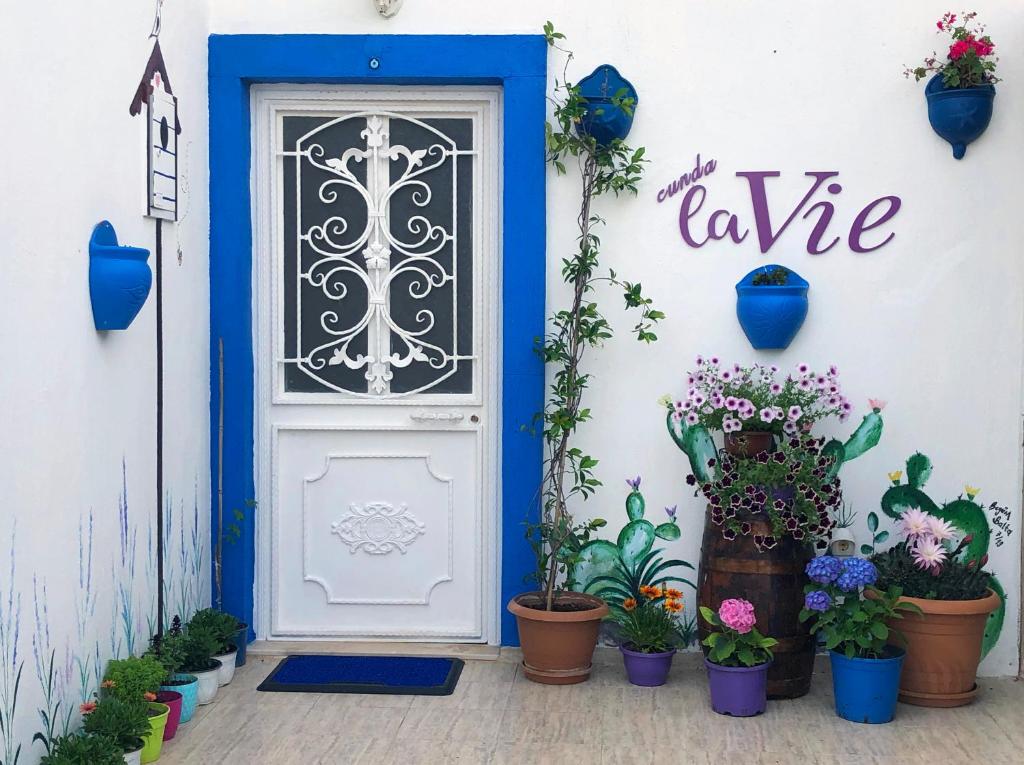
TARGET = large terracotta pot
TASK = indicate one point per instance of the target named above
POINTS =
(943, 650)
(773, 580)
(558, 646)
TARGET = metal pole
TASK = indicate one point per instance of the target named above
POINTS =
(159, 429)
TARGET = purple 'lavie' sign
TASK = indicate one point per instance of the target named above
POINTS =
(698, 229)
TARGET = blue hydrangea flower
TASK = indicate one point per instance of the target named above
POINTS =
(856, 573)
(818, 600)
(824, 569)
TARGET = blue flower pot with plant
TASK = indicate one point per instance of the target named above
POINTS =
(960, 93)
(771, 305)
(609, 105)
(854, 617)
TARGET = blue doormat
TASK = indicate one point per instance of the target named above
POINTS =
(398, 675)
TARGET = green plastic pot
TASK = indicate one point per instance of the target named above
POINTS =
(154, 742)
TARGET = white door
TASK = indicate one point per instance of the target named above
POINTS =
(375, 259)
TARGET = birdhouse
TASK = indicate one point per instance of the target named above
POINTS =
(843, 544)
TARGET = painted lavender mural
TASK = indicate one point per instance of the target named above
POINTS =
(55, 641)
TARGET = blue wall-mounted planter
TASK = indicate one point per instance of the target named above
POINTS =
(959, 115)
(602, 119)
(771, 315)
(119, 279)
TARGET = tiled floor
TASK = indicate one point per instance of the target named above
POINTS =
(496, 716)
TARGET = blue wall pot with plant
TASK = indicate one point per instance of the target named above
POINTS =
(959, 115)
(866, 689)
(771, 315)
(603, 119)
(119, 279)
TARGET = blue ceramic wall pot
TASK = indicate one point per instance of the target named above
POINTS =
(119, 279)
(866, 689)
(771, 315)
(959, 115)
(602, 119)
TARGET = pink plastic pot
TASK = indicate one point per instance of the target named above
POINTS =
(173, 701)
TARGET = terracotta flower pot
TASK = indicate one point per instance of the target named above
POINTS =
(748, 443)
(943, 650)
(558, 646)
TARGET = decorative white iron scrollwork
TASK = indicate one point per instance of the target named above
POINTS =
(387, 259)
(378, 528)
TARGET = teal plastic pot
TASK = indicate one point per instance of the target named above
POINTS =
(189, 690)
(866, 689)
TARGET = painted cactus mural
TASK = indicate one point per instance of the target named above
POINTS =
(618, 570)
(966, 515)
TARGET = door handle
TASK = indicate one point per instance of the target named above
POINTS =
(437, 416)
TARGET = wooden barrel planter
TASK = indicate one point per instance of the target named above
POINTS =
(773, 581)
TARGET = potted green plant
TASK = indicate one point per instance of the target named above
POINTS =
(961, 90)
(866, 664)
(558, 628)
(134, 680)
(78, 749)
(198, 648)
(737, 660)
(126, 722)
(649, 634)
(178, 690)
(224, 627)
(953, 597)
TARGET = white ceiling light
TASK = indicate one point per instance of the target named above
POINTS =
(387, 8)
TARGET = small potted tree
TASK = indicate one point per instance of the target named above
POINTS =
(737, 660)
(199, 646)
(865, 666)
(224, 627)
(558, 628)
(178, 690)
(126, 722)
(78, 749)
(961, 90)
(953, 598)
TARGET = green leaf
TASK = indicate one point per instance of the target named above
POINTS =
(872, 522)
(881, 536)
(879, 630)
(866, 549)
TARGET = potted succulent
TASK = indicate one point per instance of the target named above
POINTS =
(558, 628)
(961, 90)
(178, 690)
(771, 305)
(224, 627)
(953, 598)
(199, 644)
(78, 749)
(737, 660)
(126, 722)
(649, 634)
(865, 665)
(136, 680)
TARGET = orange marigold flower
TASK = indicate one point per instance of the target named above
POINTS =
(674, 606)
(650, 592)
(107, 684)
(629, 604)
(673, 594)
(149, 696)
(87, 707)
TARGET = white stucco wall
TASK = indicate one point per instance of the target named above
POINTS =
(77, 404)
(932, 322)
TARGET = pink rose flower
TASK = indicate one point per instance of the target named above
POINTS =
(737, 614)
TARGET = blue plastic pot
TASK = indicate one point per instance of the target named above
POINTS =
(241, 640)
(119, 279)
(866, 689)
(959, 115)
(771, 315)
(601, 118)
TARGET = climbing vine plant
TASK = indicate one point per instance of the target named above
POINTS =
(569, 471)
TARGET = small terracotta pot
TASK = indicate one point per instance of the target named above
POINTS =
(558, 646)
(748, 443)
(943, 650)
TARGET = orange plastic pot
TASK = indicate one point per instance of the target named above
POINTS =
(558, 646)
(943, 650)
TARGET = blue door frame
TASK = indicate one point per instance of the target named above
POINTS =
(518, 63)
